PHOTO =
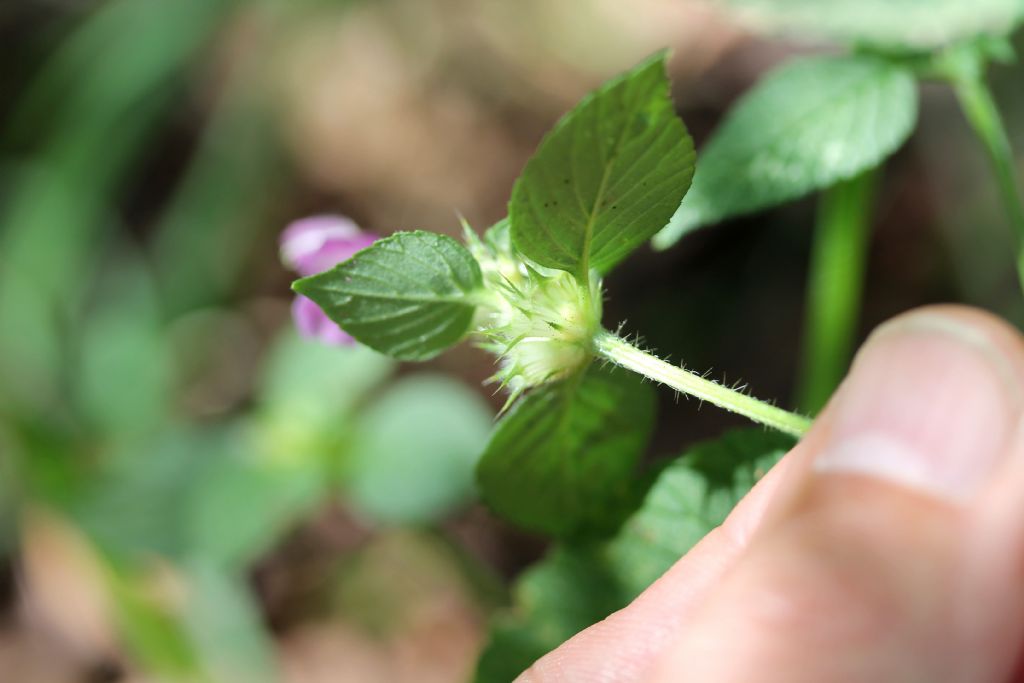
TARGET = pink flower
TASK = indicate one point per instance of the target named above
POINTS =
(313, 245)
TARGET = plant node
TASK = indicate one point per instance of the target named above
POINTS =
(540, 322)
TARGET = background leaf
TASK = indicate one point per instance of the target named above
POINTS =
(578, 585)
(314, 383)
(409, 296)
(285, 460)
(420, 441)
(86, 115)
(807, 125)
(224, 626)
(916, 24)
(212, 632)
(123, 343)
(563, 461)
(274, 494)
(606, 178)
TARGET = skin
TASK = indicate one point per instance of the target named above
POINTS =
(887, 546)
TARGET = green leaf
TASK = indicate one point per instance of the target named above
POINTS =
(692, 496)
(578, 585)
(152, 483)
(242, 503)
(553, 600)
(154, 636)
(420, 441)
(89, 116)
(224, 624)
(607, 178)
(124, 370)
(563, 461)
(281, 464)
(11, 482)
(806, 126)
(224, 493)
(315, 384)
(913, 24)
(410, 296)
(212, 633)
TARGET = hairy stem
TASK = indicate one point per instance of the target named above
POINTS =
(834, 287)
(624, 354)
(983, 114)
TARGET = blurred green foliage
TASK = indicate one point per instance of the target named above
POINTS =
(99, 328)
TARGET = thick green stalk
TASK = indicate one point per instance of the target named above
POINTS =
(983, 114)
(624, 354)
(834, 287)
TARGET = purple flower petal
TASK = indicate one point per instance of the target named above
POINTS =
(313, 245)
(313, 323)
(318, 243)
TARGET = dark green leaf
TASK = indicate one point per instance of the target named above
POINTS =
(692, 496)
(914, 24)
(806, 126)
(576, 586)
(409, 296)
(607, 178)
(553, 600)
(563, 461)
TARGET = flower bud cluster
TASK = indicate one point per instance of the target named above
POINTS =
(540, 322)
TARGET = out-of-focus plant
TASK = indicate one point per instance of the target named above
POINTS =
(204, 503)
(157, 514)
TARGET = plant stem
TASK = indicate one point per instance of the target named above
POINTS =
(983, 114)
(834, 287)
(624, 354)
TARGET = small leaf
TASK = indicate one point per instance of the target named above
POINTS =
(224, 625)
(410, 296)
(578, 585)
(913, 24)
(806, 126)
(242, 503)
(154, 636)
(563, 461)
(607, 178)
(315, 384)
(420, 442)
(124, 369)
(152, 483)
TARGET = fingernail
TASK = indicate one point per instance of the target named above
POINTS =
(930, 404)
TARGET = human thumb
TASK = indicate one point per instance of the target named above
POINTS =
(895, 550)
